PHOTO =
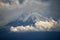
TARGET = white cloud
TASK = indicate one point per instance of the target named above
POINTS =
(39, 26)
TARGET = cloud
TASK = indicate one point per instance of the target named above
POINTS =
(11, 10)
(39, 26)
(14, 11)
(57, 26)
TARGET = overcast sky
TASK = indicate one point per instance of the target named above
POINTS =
(48, 10)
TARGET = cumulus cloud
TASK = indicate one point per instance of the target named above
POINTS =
(39, 26)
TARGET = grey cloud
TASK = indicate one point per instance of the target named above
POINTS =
(30, 7)
(12, 10)
(21, 1)
(56, 27)
(39, 26)
(55, 9)
(8, 4)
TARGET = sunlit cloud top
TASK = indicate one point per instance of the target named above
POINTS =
(47, 25)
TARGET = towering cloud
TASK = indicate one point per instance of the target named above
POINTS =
(22, 10)
(39, 26)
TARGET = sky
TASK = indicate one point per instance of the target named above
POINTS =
(29, 19)
(44, 13)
